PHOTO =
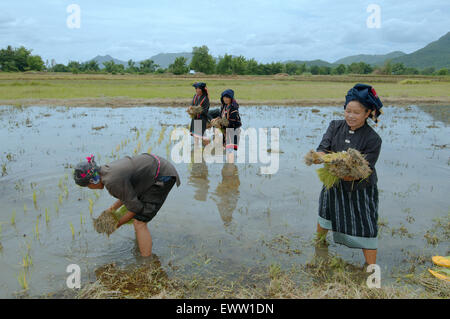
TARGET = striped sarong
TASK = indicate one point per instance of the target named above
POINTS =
(351, 215)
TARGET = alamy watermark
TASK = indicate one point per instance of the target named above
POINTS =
(260, 145)
(74, 279)
(374, 19)
(74, 19)
(374, 280)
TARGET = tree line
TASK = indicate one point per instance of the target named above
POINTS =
(21, 59)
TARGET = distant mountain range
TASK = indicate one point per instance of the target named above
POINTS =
(162, 59)
(436, 54)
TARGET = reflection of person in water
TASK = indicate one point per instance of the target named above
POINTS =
(199, 179)
(227, 192)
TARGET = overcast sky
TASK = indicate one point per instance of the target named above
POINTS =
(267, 30)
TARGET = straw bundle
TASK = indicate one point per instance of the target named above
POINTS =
(350, 163)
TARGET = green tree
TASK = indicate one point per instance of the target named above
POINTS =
(179, 66)
(442, 71)
(131, 67)
(324, 70)
(60, 68)
(252, 66)
(428, 71)
(291, 68)
(148, 66)
(340, 69)
(398, 68)
(301, 69)
(202, 61)
(225, 65)
(74, 66)
(314, 69)
(34, 62)
(239, 65)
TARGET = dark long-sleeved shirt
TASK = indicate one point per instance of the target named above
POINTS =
(128, 178)
(204, 100)
(339, 137)
(231, 112)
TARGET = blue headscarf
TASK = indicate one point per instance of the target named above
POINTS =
(367, 96)
(199, 85)
(229, 93)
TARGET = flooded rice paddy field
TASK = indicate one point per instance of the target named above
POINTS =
(222, 219)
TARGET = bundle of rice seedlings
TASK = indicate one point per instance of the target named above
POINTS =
(350, 163)
(107, 221)
(220, 122)
(193, 111)
(313, 157)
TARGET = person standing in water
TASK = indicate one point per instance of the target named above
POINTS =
(199, 122)
(141, 183)
(231, 131)
(350, 209)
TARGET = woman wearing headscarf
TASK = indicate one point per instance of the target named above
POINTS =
(200, 120)
(141, 183)
(229, 114)
(350, 209)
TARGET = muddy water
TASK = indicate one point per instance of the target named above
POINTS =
(222, 219)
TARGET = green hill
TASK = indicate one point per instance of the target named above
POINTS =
(436, 54)
(373, 59)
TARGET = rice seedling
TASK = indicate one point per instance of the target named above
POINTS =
(56, 208)
(72, 230)
(91, 204)
(47, 217)
(27, 261)
(4, 170)
(149, 150)
(13, 217)
(25, 208)
(60, 199)
(36, 228)
(34, 199)
(22, 278)
(149, 134)
(161, 135)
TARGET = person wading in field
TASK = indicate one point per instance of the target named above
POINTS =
(229, 114)
(141, 183)
(350, 209)
(200, 120)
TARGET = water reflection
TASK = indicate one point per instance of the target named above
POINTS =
(198, 179)
(227, 193)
